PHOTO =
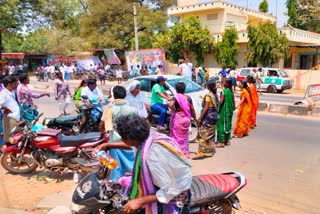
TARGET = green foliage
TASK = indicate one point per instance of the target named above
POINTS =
(266, 45)
(227, 50)
(187, 38)
(304, 14)
(264, 6)
(111, 25)
(292, 13)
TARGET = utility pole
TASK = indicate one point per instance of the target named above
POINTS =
(136, 39)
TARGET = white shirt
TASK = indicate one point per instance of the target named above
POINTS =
(7, 99)
(164, 166)
(233, 74)
(137, 102)
(107, 67)
(95, 93)
(186, 70)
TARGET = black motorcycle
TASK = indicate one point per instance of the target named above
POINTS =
(69, 125)
(214, 193)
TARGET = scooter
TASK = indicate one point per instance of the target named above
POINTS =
(213, 193)
(49, 149)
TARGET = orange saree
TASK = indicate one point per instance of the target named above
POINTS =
(242, 125)
(255, 105)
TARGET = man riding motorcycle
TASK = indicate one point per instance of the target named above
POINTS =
(157, 96)
(89, 91)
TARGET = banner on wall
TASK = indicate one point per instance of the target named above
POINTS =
(146, 57)
(88, 63)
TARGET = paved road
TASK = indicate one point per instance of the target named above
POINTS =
(281, 161)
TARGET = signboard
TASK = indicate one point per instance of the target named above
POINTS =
(313, 90)
(147, 57)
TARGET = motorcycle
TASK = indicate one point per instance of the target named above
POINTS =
(213, 193)
(95, 107)
(69, 125)
(42, 75)
(153, 118)
(49, 149)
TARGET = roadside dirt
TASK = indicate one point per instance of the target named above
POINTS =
(26, 191)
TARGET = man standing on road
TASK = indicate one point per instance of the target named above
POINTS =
(223, 74)
(10, 106)
(25, 95)
(258, 79)
(116, 108)
(186, 69)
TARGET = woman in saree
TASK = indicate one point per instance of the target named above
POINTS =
(242, 125)
(182, 108)
(207, 122)
(226, 109)
(254, 101)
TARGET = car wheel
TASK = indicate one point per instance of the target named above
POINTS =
(271, 89)
(279, 91)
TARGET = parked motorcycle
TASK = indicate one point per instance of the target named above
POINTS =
(69, 125)
(214, 193)
(42, 75)
(49, 149)
(153, 118)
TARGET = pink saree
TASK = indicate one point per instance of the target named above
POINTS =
(180, 123)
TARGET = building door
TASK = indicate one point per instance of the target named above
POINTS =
(304, 62)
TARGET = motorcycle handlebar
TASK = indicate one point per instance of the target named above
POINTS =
(36, 120)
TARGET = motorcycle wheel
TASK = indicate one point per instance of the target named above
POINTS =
(220, 207)
(45, 78)
(9, 161)
(193, 132)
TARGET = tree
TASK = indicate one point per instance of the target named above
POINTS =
(227, 50)
(111, 25)
(304, 14)
(264, 6)
(187, 38)
(266, 45)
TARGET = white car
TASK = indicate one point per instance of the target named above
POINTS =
(193, 90)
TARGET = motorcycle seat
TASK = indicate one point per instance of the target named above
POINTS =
(66, 119)
(206, 188)
(80, 139)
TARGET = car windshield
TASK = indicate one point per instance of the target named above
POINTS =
(190, 86)
(283, 73)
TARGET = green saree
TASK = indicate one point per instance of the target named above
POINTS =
(226, 109)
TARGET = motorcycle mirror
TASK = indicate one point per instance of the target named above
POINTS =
(84, 97)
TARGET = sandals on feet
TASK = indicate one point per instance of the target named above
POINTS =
(220, 145)
(198, 157)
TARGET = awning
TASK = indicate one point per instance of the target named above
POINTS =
(13, 55)
(111, 57)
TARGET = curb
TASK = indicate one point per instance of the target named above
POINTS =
(289, 109)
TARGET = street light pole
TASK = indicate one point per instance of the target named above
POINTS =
(136, 39)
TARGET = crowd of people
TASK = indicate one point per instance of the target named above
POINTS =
(139, 150)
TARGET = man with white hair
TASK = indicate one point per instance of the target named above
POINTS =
(135, 98)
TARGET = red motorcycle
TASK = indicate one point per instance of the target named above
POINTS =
(49, 149)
